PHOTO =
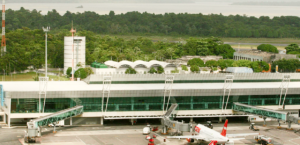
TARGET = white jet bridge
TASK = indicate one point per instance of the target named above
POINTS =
(34, 131)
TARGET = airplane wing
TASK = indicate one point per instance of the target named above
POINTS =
(241, 135)
(197, 137)
(233, 139)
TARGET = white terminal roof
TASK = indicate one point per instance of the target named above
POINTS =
(136, 63)
(82, 86)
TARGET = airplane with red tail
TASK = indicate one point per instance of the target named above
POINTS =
(204, 134)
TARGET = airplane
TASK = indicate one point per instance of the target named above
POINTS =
(207, 135)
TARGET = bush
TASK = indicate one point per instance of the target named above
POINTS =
(259, 66)
(284, 65)
(69, 70)
(242, 63)
(80, 73)
(130, 71)
(88, 70)
(175, 71)
(152, 70)
(204, 69)
(267, 48)
(183, 67)
(195, 68)
(215, 69)
(160, 70)
(224, 63)
(196, 61)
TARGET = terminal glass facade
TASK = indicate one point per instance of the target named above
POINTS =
(146, 103)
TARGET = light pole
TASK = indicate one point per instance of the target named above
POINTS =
(46, 30)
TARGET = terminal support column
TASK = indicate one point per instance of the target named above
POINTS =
(8, 119)
(101, 120)
(71, 121)
(264, 121)
(289, 125)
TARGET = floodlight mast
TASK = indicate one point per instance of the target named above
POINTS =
(46, 30)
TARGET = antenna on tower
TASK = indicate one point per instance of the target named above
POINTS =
(3, 42)
(73, 32)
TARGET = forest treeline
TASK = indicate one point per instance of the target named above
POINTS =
(26, 47)
(182, 24)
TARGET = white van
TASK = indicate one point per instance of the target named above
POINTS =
(146, 130)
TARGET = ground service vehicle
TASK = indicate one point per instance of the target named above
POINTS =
(253, 127)
(264, 140)
(146, 130)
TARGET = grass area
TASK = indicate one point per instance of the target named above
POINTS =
(263, 40)
(236, 40)
(29, 77)
(56, 71)
(253, 47)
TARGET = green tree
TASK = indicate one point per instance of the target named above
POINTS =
(285, 65)
(256, 34)
(130, 71)
(80, 73)
(211, 63)
(225, 50)
(267, 48)
(69, 70)
(292, 47)
(196, 61)
(195, 68)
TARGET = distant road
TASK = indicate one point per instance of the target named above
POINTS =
(235, 43)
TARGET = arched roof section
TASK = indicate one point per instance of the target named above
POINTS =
(170, 65)
(155, 64)
(162, 64)
(126, 62)
(137, 63)
(141, 62)
(111, 63)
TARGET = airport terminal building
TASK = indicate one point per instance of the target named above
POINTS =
(123, 96)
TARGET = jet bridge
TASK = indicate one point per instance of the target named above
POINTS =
(179, 126)
(34, 125)
(267, 113)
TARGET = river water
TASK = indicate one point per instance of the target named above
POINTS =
(160, 8)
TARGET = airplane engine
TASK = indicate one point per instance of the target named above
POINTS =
(190, 140)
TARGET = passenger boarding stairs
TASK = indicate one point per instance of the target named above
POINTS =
(35, 124)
